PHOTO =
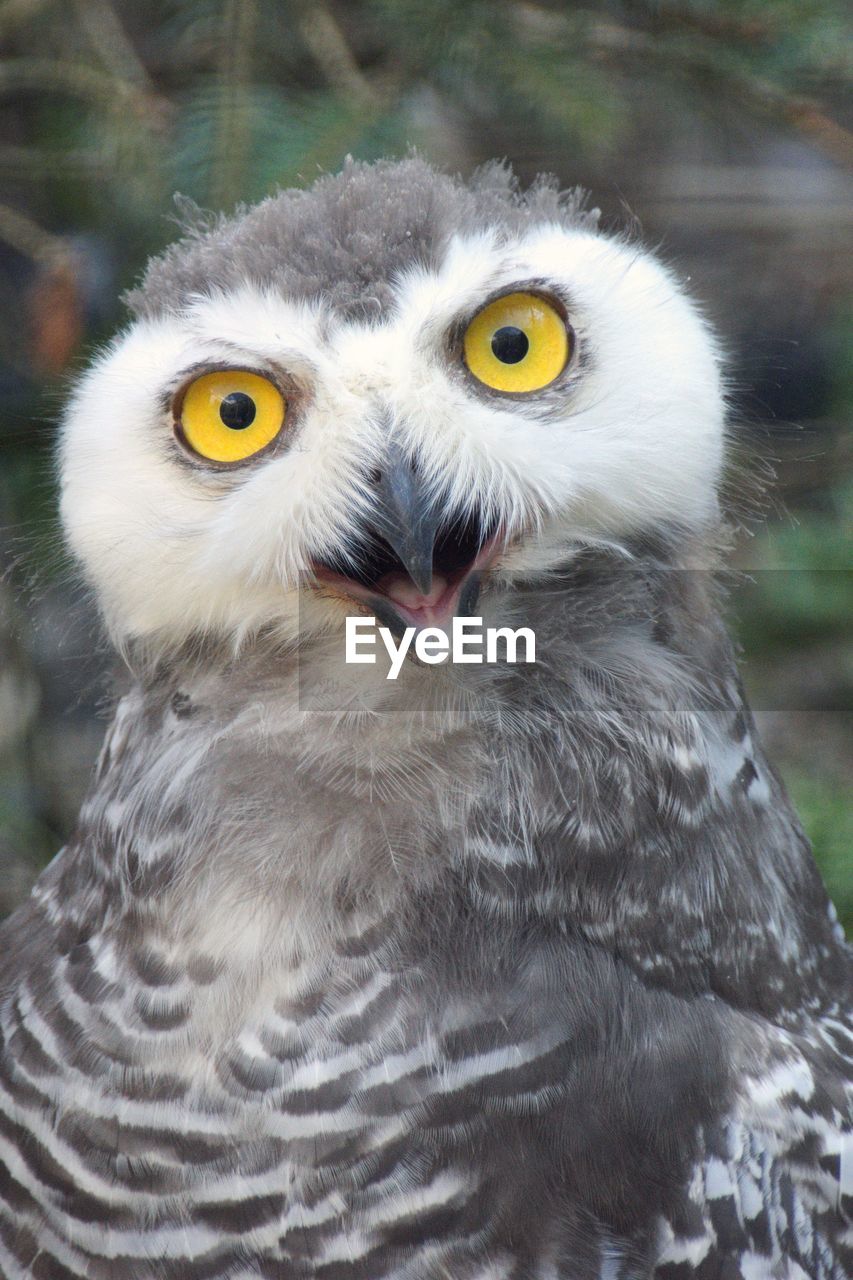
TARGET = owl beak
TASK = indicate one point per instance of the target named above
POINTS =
(405, 516)
(412, 563)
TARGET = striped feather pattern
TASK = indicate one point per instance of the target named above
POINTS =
(485, 995)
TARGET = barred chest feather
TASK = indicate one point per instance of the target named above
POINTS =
(489, 993)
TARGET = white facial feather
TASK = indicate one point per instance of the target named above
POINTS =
(172, 548)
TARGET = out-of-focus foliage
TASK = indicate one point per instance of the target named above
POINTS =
(720, 122)
(117, 105)
(827, 816)
(793, 618)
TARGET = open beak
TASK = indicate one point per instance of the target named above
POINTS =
(415, 564)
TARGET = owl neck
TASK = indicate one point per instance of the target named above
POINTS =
(615, 789)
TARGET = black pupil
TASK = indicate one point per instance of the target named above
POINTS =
(237, 410)
(510, 344)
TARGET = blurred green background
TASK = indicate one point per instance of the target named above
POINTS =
(720, 131)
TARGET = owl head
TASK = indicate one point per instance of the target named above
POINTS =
(392, 392)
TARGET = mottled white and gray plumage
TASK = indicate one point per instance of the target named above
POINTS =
(490, 972)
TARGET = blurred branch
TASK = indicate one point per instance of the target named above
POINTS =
(329, 48)
(808, 117)
(233, 135)
(28, 163)
(63, 77)
(26, 237)
(724, 27)
(52, 304)
(611, 41)
(109, 39)
(120, 60)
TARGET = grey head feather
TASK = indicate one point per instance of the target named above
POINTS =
(348, 236)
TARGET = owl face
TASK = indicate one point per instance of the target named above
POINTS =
(255, 452)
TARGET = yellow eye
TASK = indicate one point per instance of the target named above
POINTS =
(229, 415)
(517, 343)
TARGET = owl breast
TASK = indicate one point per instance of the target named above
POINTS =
(314, 1132)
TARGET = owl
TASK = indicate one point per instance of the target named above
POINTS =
(495, 970)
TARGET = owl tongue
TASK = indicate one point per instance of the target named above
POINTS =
(423, 609)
